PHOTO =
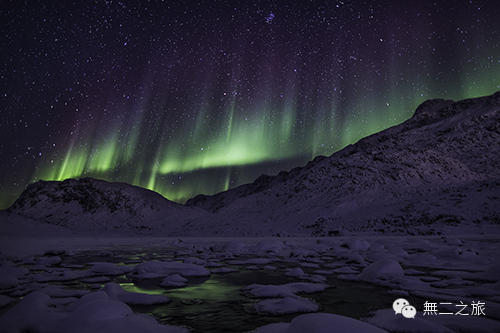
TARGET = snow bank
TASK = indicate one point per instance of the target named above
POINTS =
(321, 323)
(94, 312)
(31, 314)
(97, 311)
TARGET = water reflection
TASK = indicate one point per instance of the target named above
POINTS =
(218, 304)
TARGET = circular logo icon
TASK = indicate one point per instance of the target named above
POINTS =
(409, 311)
(399, 304)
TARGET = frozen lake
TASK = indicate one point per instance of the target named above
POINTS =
(240, 285)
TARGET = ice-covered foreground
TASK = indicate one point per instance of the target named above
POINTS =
(70, 284)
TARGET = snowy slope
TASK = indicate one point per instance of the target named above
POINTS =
(96, 204)
(435, 171)
(438, 169)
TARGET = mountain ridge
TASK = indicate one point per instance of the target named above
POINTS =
(425, 115)
(435, 170)
(443, 147)
(76, 203)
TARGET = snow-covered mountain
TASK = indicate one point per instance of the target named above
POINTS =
(436, 170)
(89, 203)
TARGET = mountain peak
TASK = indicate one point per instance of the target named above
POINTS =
(104, 204)
(435, 110)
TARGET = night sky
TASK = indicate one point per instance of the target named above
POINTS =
(195, 97)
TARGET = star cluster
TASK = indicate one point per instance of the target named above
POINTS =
(186, 97)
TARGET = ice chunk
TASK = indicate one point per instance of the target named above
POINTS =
(356, 258)
(18, 272)
(57, 275)
(92, 313)
(268, 246)
(303, 253)
(323, 272)
(49, 261)
(116, 292)
(321, 323)
(493, 273)
(269, 268)
(309, 265)
(345, 270)
(96, 279)
(459, 253)
(412, 271)
(349, 277)
(59, 291)
(196, 261)
(439, 284)
(34, 314)
(278, 306)
(156, 269)
(174, 280)
(252, 267)
(212, 264)
(236, 248)
(384, 269)
(107, 268)
(5, 300)
(316, 278)
(285, 290)
(452, 241)
(96, 296)
(129, 324)
(8, 281)
(357, 244)
(99, 310)
(223, 270)
(296, 272)
(259, 261)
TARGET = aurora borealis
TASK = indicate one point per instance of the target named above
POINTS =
(197, 97)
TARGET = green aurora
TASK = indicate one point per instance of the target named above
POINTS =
(175, 166)
(202, 98)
